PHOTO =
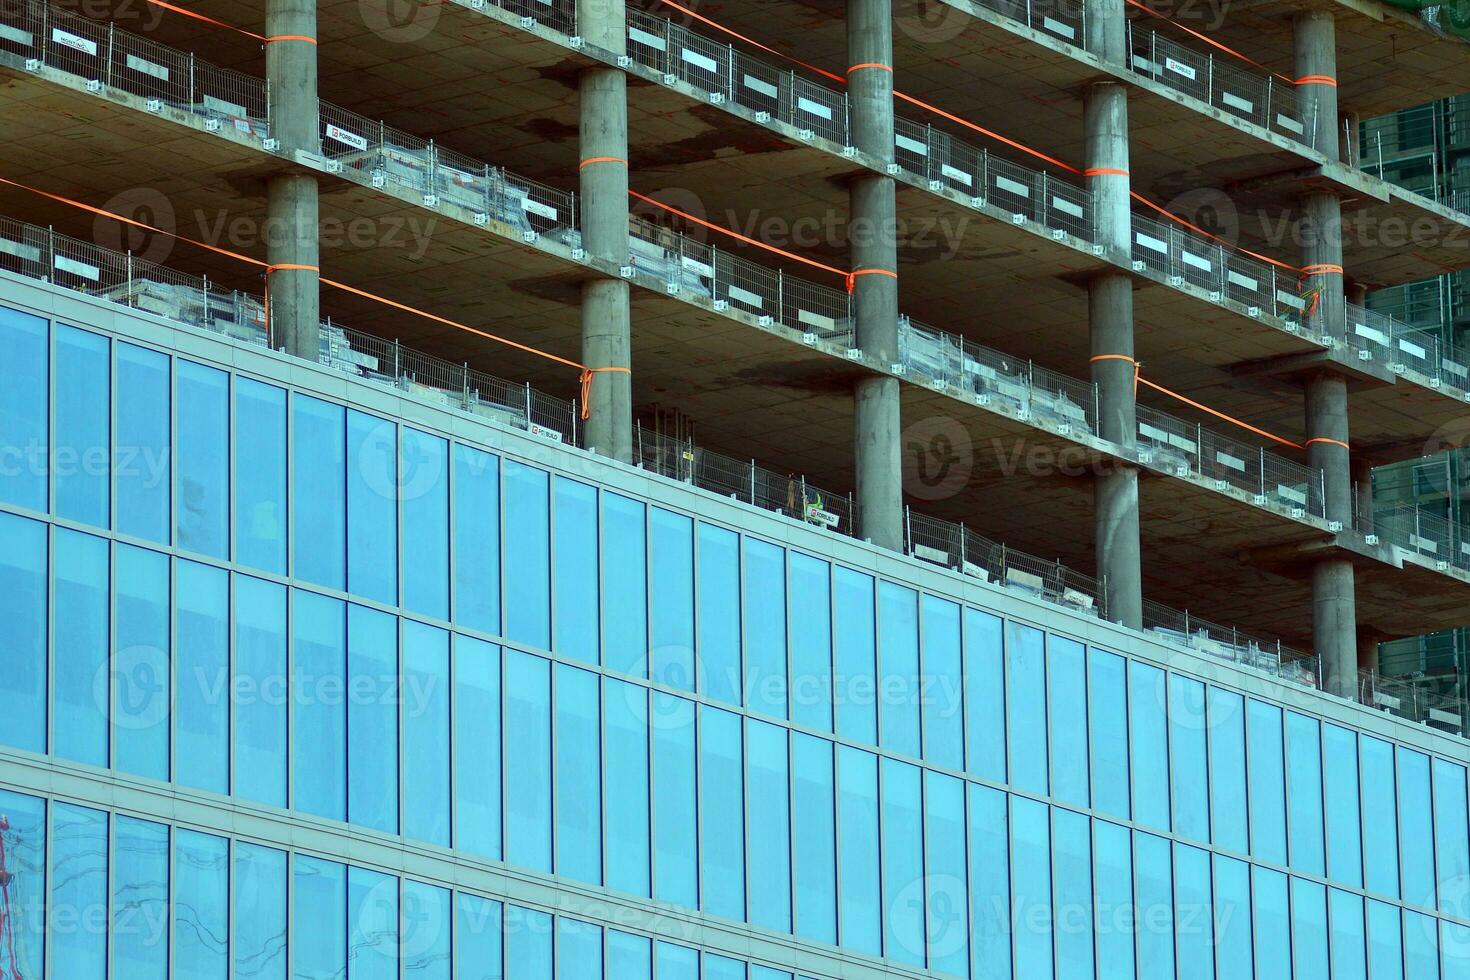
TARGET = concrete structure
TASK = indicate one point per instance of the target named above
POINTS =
(292, 238)
(372, 657)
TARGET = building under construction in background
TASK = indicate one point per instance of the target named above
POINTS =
(763, 489)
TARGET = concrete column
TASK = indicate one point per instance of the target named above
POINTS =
(1322, 260)
(1315, 35)
(1110, 318)
(874, 248)
(606, 314)
(1105, 30)
(292, 244)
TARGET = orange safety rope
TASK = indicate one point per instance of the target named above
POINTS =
(1104, 172)
(591, 160)
(1317, 80)
(231, 27)
(1330, 442)
(920, 103)
(587, 374)
(268, 268)
(1208, 40)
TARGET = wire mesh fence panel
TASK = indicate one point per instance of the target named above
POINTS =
(1150, 244)
(934, 540)
(760, 87)
(1182, 69)
(1166, 442)
(1064, 404)
(1014, 188)
(23, 27)
(930, 356)
(1060, 18)
(1292, 486)
(956, 164)
(1248, 282)
(648, 40)
(1196, 260)
(25, 249)
(819, 109)
(462, 180)
(913, 147)
(1233, 463)
(818, 310)
(234, 98)
(1066, 207)
(748, 287)
(701, 62)
(560, 15)
(1416, 350)
(74, 44)
(146, 68)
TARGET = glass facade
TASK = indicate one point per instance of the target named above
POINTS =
(417, 643)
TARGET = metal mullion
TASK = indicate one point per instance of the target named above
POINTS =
(553, 640)
(697, 681)
(110, 655)
(50, 475)
(555, 774)
(169, 875)
(742, 568)
(918, 692)
(230, 843)
(399, 662)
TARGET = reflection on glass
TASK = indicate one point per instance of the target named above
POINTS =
(861, 897)
(765, 628)
(721, 814)
(260, 475)
(139, 931)
(25, 860)
(260, 686)
(319, 496)
(1343, 808)
(1233, 918)
(814, 856)
(990, 888)
(1153, 885)
(425, 707)
(1026, 722)
(528, 941)
(1188, 765)
(579, 950)
(898, 669)
(77, 881)
(900, 794)
(1385, 942)
(675, 810)
(1227, 770)
(1346, 915)
(81, 415)
(372, 507)
(1112, 855)
(201, 886)
(527, 761)
(319, 918)
(372, 917)
(1107, 689)
(625, 579)
(628, 957)
(319, 720)
(201, 673)
(811, 642)
(1380, 817)
(140, 452)
(258, 882)
(576, 571)
(1066, 674)
(478, 947)
(425, 928)
(202, 452)
(1193, 914)
(1304, 776)
(1267, 782)
(768, 817)
(985, 708)
(140, 663)
(527, 556)
(424, 486)
(578, 776)
(1416, 825)
(80, 589)
(1148, 725)
(23, 633)
(23, 374)
(1031, 897)
(477, 747)
(372, 719)
(855, 638)
(943, 698)
(476, 540)
(1072, 894)
(671, 658)
(1451, 839)
(625, 761)
(1309, 929)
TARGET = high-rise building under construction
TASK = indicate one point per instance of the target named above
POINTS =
(762, 489)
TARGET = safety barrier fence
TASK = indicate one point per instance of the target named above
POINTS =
(119, 277)
(1227, 84)
(39, 253)
(1424, 533)
(1406, 349)
(1404, 697)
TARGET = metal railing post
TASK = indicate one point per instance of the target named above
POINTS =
(111, 30)
(528, 404)
(465, 387)
(752, 481)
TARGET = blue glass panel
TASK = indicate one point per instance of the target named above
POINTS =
(578, 775)
(78, 883)
(1227, 771)
(625, 581)
(319, 714)
(426, 928)
(259, 698)
(675, 815)
(811, 642)
(901, 797)
(765, 628)
(628, 957)
(856, 653)
(990, 888)
(722, 968)
(201, 899)
(767, 973)
(318, 919)
(576, 570)
(476, 540)
(23, 633)
(1416, 828)
(1452, 840)
(1066, 674)
(426, 733)
(1267, 781)
(719, 614)
(1107, 701)
(1026, 697)
(1193, 914)
(671, 659)
(372, 719)
(1380, 817)
(1153, 886)
(1113, 859)
(1304, 776)
(985, 693)
(140, 460)
(1385, 941)
(478, 947)
(721, 814)
(1233, 919)
(814, 858)
(527, 556)
(319, 466)
(477, 747)
(1272, 920)
(1454, 945)
(676, 962)
(23, 400)
(80, 584)
(372, 917)
(1348, 955)
(140, 663)
(373, 485)
(527, 761)
(260, 475)
(1343, 810)
(25, 859)
(861, 898)
(424, 486)
(1031, 908)
(625, 747)
(1072, 894)
(1148, 725)
(83, 424)
(943, 695)
(578, 950)
(1188, 765)
(202, 454)
(1309, 930)
(898, 669)
(768, 817)
(1421, 947)
(528, 942)
(946, 889)
(258, 883)
(202, 676)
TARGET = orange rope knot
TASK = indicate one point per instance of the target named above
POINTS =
(291, 266)
(587, 374)
(853, 276)
(1137, 367)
